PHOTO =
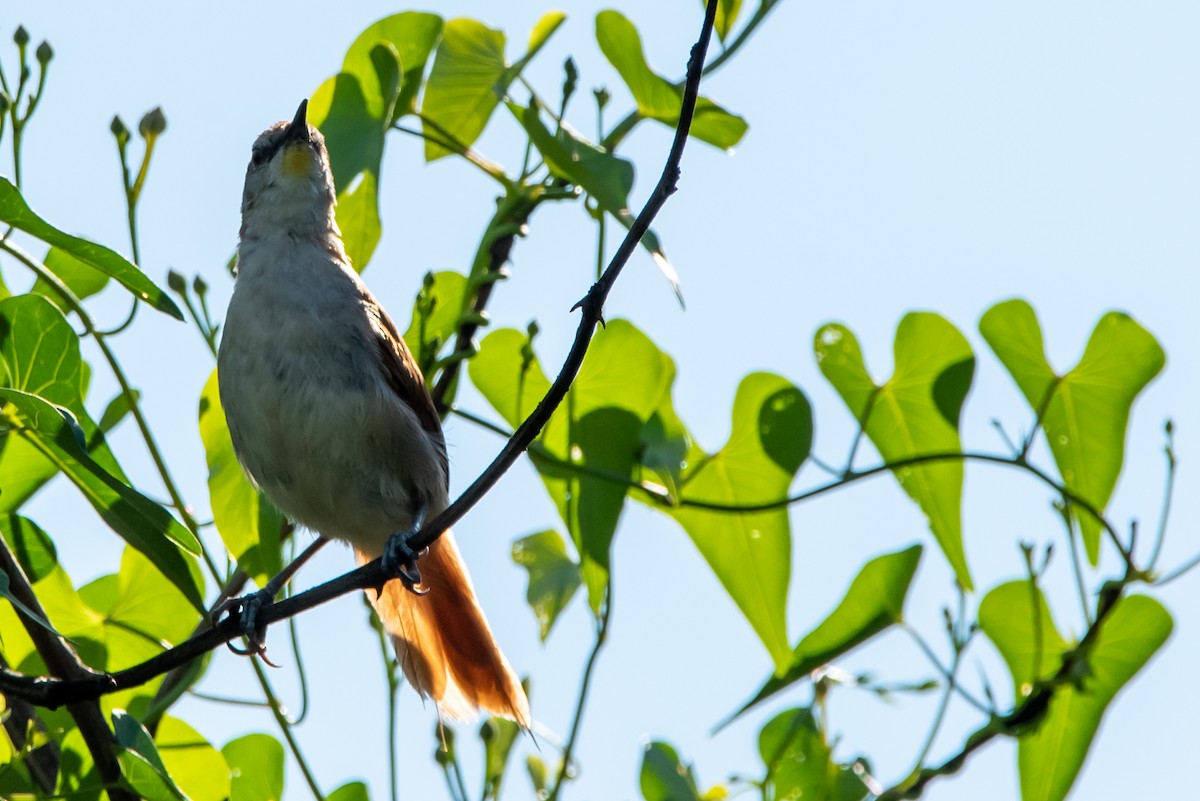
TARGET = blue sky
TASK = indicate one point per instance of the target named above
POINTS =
(930, 155)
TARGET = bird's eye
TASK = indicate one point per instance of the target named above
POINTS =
(258, 157)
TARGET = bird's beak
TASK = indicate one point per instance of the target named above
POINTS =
(298, 129)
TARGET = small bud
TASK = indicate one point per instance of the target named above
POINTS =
(176, 282)
(199, 286)
(44, 53)
(117, 126)
(21, 36)
(602, 97)
(154, 123)
(5, 103)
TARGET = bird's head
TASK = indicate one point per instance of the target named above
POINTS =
(289, 185)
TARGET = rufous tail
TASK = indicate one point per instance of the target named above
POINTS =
(443, 641)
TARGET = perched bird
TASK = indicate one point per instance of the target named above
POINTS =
(331, 419)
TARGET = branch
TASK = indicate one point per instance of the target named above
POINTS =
(54, 691)
(62, 662)
(1027, 715)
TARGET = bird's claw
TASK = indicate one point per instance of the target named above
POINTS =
(245, 610)
(400, 561)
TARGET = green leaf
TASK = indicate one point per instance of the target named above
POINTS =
(498, 737)
(15, 212)
(78, 778)
(664, 777)
(656, 97)
(248, 523)
(546, 27)
(33, 547)
(604, 176)
(39, 354)
(465, 84)
(81, 278)
(141, 765)
(353, 134)
(800, 763)
(553, 576)
(198, 769)
(117, 410)
(138, 520)
(145, 780)
(1085, 411)
(413, 35)
(147, 605)
(358, 218)
(727, 14)
(256, 764)
(914, 413)
(351, 791)
(596, 432)
(1051, 756)
(873, 603)
(435, 317)
(7, 594)
(751, 551)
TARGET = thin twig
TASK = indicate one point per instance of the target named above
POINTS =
(584, 688)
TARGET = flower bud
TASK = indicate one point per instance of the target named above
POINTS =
(44, 53)
(176, 282)
(117, 126)
(21, 36)
(5, 103)
(199, 286)
(153, 123)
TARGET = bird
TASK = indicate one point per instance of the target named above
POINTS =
(331, 419)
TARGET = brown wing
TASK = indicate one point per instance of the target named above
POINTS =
(405, 378)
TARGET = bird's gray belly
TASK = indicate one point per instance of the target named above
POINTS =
(305, 422)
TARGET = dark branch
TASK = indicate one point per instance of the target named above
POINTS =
(67, 668)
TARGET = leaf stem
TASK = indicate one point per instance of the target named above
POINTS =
(584, 687)
(286, 728)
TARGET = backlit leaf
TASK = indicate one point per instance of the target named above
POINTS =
(464, 86)
(358, 219)
(1085, 411)
(39, 354)
(413, 35)
(914, 413)
(15, 212)
(751, 551)
(553, 576)
(81, 278)
(256, 764)
(873, 603)
(138, 520)
(1013, 616)
(664, 777)
(622, 382)
(604, 176)
(800, 763)
(656, 97)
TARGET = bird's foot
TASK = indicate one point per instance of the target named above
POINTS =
(246, 610)
(400, 561)
(399, 558)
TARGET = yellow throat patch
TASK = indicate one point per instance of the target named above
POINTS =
(297, 160)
